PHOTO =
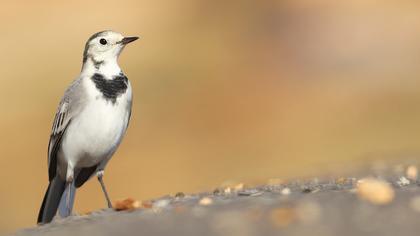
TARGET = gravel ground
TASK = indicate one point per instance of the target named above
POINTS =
(390, 205)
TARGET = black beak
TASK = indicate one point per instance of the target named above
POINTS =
(127, 40)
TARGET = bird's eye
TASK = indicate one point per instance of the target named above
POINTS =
(103, 41)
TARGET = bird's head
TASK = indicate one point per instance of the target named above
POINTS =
(105, 46)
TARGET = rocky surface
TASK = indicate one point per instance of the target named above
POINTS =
(387, 204)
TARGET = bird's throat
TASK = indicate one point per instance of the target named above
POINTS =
(110, 89)
(109, 68)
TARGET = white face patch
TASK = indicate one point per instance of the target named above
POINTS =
(104, 46)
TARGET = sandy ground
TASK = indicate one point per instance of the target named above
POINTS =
(310, 207)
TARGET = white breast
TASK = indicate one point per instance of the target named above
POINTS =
(94, 135)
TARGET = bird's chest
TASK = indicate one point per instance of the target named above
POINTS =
(103, 122)
(108, 104)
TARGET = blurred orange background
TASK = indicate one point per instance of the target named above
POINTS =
(223, 90)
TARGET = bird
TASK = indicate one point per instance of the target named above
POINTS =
(89, 125)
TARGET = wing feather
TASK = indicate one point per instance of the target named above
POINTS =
(67, 109)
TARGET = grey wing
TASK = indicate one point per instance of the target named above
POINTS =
(129, 114)
(61, 122)
(65, 112)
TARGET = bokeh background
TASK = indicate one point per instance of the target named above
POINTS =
(223, 90)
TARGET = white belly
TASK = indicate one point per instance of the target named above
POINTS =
(94, 135)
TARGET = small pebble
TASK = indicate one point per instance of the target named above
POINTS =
(126, 204)
(286, 191)
(238, 187)
(205, 201)
(161, 203)
(306, 190)
(147, 204)
(403, 181)
(250, 192)
(217, 191)
(375, 191)
(412, 172)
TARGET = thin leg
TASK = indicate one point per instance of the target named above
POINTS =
(100, 174)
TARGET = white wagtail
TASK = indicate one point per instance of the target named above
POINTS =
(90, 122)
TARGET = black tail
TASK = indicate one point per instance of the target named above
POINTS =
(51, 200)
